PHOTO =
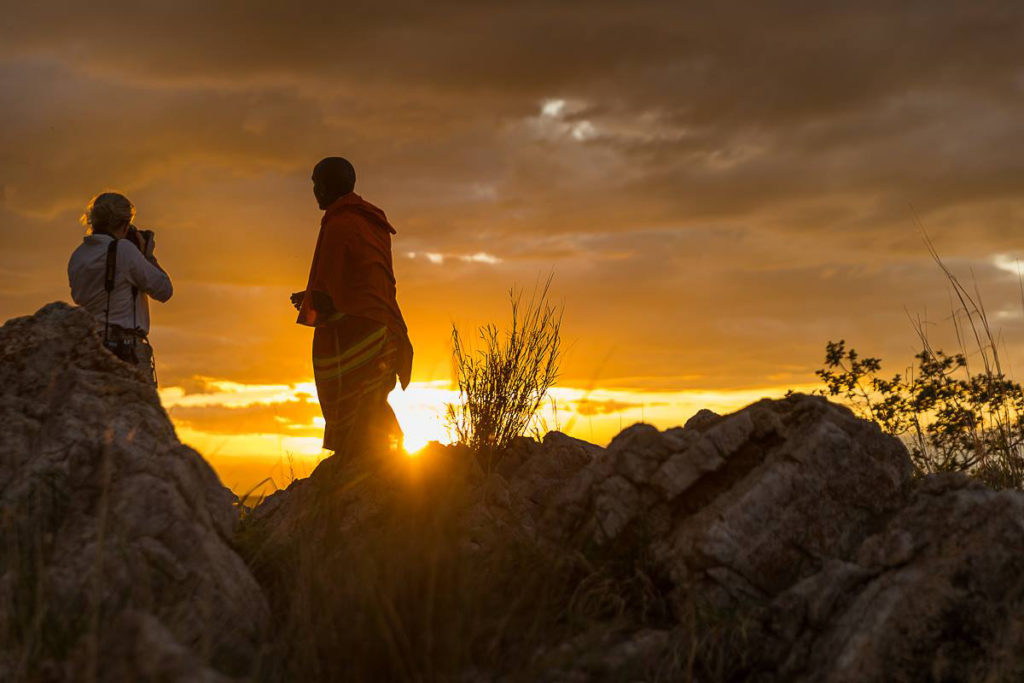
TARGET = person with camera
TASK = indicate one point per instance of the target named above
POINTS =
(112, 275)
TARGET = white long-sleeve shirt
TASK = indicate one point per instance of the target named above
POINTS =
(87, 272)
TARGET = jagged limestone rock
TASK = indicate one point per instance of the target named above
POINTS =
(112, 530)
(938, 594)
(743, 506)
(791, 529)
(790, 526)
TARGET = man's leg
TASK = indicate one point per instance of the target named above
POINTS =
(353, 368)
(383, 432)
(326, 353)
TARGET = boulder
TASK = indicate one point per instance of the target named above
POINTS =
(701, 418)
(938, 594)
(113, 531)
(787, 541)
(740, 507)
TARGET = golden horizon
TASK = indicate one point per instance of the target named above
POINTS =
(250, 433)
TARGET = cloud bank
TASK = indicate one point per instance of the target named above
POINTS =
(719, 188)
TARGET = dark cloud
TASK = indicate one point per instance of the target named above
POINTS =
(196, 385)
(587, 407)
(290, 418)
(719, 187)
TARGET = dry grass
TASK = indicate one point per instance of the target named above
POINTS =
(503, 384)
(955, 412)
(996, 434)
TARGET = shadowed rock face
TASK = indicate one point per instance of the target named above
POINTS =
(795, 518)
(784, 542)
(937, 595)
(116, 553)
(739, 507)
(804, 519)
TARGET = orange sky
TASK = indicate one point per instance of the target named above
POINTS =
(719, 188)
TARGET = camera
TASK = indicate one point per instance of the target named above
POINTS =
(141, 238)
(122, 346)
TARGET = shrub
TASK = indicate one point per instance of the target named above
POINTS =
(951, 417)
(502, 385)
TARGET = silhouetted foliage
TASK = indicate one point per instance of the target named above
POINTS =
(502, 385)
(949, 419)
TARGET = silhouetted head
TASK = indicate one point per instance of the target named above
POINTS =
(109, 213)
(333, 177)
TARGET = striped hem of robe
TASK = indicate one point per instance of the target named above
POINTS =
(354, 368)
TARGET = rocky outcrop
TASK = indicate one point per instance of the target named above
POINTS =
(740, 507)
(937, 595)
(803, 520)
(117, 539)
(785, 542)
(791, 531)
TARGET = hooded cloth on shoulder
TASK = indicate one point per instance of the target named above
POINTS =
(352, 265)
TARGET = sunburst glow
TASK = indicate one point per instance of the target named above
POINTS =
(276, 430)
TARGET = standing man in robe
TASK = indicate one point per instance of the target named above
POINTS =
(360, 341)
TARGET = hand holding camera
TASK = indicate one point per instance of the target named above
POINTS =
(145, 240)
(149, 240)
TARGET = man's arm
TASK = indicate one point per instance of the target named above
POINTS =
(322, 303)
(331, 259)
(339, 245)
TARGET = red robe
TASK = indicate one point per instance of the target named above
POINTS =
(352, 265)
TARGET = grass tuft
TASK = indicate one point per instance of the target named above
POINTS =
(956, 412)
(503, 384)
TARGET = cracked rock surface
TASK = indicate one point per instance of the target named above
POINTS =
(938, 594)
(787, 541)
(791, 526)
(116, 556)
(743, 506)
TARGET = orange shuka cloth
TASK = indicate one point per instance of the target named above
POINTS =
(352, 265)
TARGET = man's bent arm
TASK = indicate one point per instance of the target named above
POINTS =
(336, 250)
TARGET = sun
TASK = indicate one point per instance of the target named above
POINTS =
(413, 444)
(419, 430)
(420, 411)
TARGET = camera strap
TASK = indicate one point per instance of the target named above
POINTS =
(108, 285)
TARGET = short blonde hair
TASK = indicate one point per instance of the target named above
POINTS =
(106, 211)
